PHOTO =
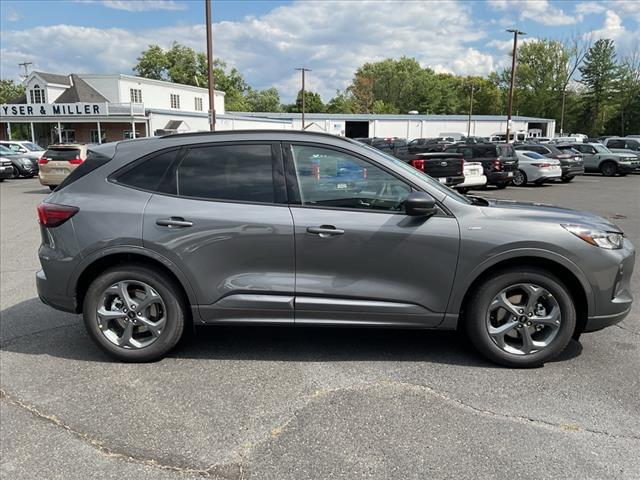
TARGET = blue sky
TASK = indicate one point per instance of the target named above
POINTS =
(265, 40)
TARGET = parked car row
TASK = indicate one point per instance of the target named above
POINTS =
(472, 162)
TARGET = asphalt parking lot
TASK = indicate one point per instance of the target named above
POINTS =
(298, 403)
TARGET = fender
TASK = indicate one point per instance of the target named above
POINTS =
(461, 286)
(137, 250)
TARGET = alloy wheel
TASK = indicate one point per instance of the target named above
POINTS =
(519, 178)
(131, 314)
(523, 319)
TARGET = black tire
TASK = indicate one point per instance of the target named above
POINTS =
(16, 173)
(166, 289)
(623, 174)
(567, 179)
(463, 190)
(478, 307)
(609, 169)
(52, 187)
(501, 186)
(520, 179)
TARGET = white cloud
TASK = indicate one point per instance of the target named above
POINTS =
(539, 11)
(331, 41)
(587, 8)
(11, 15)
(140, 5)
(626, 40)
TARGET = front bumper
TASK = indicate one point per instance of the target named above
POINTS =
(6, 171)
(629, 167)
(614, 298)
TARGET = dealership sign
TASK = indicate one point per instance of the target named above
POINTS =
(53, 110)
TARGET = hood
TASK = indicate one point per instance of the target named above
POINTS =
(547, 213)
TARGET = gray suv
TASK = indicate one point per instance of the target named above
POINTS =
(149, 237)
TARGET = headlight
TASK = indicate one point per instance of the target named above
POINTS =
(596, 237)
(25, 161)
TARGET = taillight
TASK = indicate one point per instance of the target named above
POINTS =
(497, 165)
(541, 165)
(52, 215)
(418, 164)
(42, 161)
(76, 161)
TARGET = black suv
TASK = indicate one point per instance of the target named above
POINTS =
(571, 162)
(392, 145)
(498, 161)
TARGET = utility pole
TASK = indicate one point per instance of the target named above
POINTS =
(303, 70)
(564, 94)
(212, 107)
(515, 32)
(26, 66)
(472, 87)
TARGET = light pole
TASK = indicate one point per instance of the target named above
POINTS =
(303, 70)
(472, 86)
(515, 32)
(212, 106)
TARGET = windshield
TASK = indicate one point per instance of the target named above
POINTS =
(421, 176)
(32, 147)
(601, 148)
(6, 151)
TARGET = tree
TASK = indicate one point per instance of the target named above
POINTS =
(10, 91)
(312, 103)
(343, 102)
(266, 100)
(152, 63)
(600, 74)
(627, 117)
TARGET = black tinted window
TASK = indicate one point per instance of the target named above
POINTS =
(61, 154)
(482, 151)
(228, 172)
(152, 174)
(615, 144)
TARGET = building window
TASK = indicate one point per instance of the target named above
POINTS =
(37, 94)
(136, 95)
(94, 136)
(198, 104)
(175, 101)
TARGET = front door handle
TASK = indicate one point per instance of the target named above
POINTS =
(325, 231)
(173, 222)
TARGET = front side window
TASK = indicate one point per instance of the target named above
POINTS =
(136, 95)
(633, 145)
(330, 178)
(228, 172)
(175, 101)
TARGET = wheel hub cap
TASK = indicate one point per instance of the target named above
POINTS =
(523, 319)
(135, 327)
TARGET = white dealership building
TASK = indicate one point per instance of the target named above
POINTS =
(94, 108)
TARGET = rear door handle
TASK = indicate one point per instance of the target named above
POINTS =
(173, 222)
(325, 231)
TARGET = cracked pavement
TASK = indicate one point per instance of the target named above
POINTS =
(279, 403)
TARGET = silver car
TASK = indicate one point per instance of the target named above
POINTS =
(536, 168)
(148, 237)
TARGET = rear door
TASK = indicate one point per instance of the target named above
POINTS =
(219, 213)
(359, 258)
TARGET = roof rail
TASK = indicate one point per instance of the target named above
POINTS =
(247, 131)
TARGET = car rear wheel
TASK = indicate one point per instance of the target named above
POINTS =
(520, 178)
(52, 187)
(567, 179)
(463, 190)
(16, 173)
(521, 318)
(608, 169)
(134, 313)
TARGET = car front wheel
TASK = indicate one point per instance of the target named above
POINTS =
(134, 313)
(608, 169)
(521, 318)
(567, 179)
(520, 178)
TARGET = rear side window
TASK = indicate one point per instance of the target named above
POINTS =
(228, 172)
(61, 154)
(615, 144)
(507, 151)
(484, 151)
(152, 174)
(95, 159)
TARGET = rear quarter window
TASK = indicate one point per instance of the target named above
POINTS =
(154, 173)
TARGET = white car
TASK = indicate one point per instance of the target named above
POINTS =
(536, 168)
(24, 148)
(473, 176)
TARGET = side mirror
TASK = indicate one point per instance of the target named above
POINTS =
(420, 204)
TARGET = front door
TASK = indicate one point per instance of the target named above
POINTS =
(220, 214)
(359, 258)
(589, 156)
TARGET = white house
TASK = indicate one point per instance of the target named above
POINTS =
(95, 108)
